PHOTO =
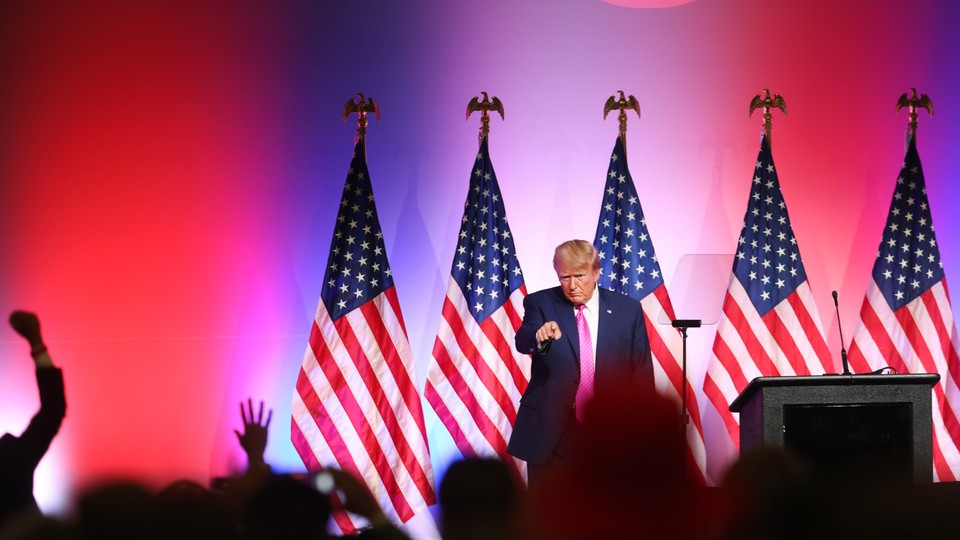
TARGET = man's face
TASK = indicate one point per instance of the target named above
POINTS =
(577, 282)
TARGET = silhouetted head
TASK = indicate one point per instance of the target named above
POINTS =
(189, 511)
(478, 499)
(119, 510)
(285, 508)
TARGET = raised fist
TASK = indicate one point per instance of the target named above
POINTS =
(27, 325)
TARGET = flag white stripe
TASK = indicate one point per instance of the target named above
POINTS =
(460, 362)
(451, 400)
(720, 376)
(801, 333)
(319, 448)
(668, 334)
(486, 349)
(366, 405)
(797, 332)
(731, 337)
(932, 340)
(335, 409)
(388, 385)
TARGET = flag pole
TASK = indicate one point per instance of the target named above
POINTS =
(484, 106)
(361, 107)
(913, 103)
(766, 103)
(621, 105)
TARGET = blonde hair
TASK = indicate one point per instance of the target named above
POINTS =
(576, 253)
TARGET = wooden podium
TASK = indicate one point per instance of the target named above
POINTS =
(842, 421)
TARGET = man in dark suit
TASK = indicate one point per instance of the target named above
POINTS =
(577, 335)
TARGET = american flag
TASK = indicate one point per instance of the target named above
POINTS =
(356, 406)
(906, 321)
(628, 265)
(769, 324)
(476, 376)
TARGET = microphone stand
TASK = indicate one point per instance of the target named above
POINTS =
(843, 350)
(683, 324)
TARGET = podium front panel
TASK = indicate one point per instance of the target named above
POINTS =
(839, 422)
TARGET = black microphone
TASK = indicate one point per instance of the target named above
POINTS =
(843, 350)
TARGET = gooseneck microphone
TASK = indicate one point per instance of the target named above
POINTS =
(843, 350)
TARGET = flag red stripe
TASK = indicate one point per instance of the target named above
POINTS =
(730, 364)
(505, 352)
(858, 363)
(388, 413)
(664, 299)
(922, 330)
(940, 465)
(515, 319)
(355, 413)
(331, 435)
(459, 437)
(318, 412)
(339, 513)
(669, 355)
(700, 479)
(463, 390)
(812, 331)
(875, 327)
(719, 401)
(473, 356)
(757, 354)
(391, 295)
(923, 353)
(405, 386)
(942, 333)
(448, 420)
(519, 379)
(303, 447)
(660, 350)
(915, 335)
(672, 366)
(755, 351)
(785, 341)
(674, 371)
(953, 362)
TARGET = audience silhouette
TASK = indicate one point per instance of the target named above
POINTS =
(19, 456)
(630, 478)
(480, 500)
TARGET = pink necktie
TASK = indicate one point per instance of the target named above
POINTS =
(585, 390)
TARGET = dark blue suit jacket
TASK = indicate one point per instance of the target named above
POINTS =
(622, 351)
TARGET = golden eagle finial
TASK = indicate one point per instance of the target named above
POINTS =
(485, 106)
(913, 103)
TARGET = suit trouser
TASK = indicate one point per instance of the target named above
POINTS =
(562, 456)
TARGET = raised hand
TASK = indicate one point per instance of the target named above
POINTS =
(253, 440)
(27, 325)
